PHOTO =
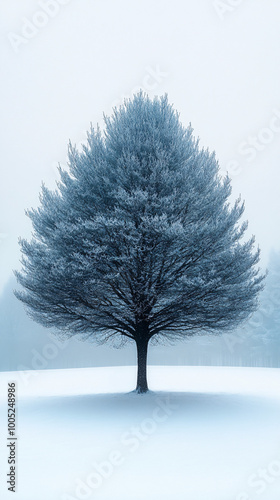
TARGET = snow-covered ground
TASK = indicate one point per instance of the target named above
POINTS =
(203, 433)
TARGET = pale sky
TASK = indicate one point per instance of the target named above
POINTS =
(64, 62)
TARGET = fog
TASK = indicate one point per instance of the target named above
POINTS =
(25, 345)
(66, 62)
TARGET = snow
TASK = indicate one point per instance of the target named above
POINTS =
(202, 433)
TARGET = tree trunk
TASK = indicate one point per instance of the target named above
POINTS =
(142, 351)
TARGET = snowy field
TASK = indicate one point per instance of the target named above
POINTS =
(208, 433)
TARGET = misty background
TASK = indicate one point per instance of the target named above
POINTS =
(66, 62)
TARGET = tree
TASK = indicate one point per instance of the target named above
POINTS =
(139, 241)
